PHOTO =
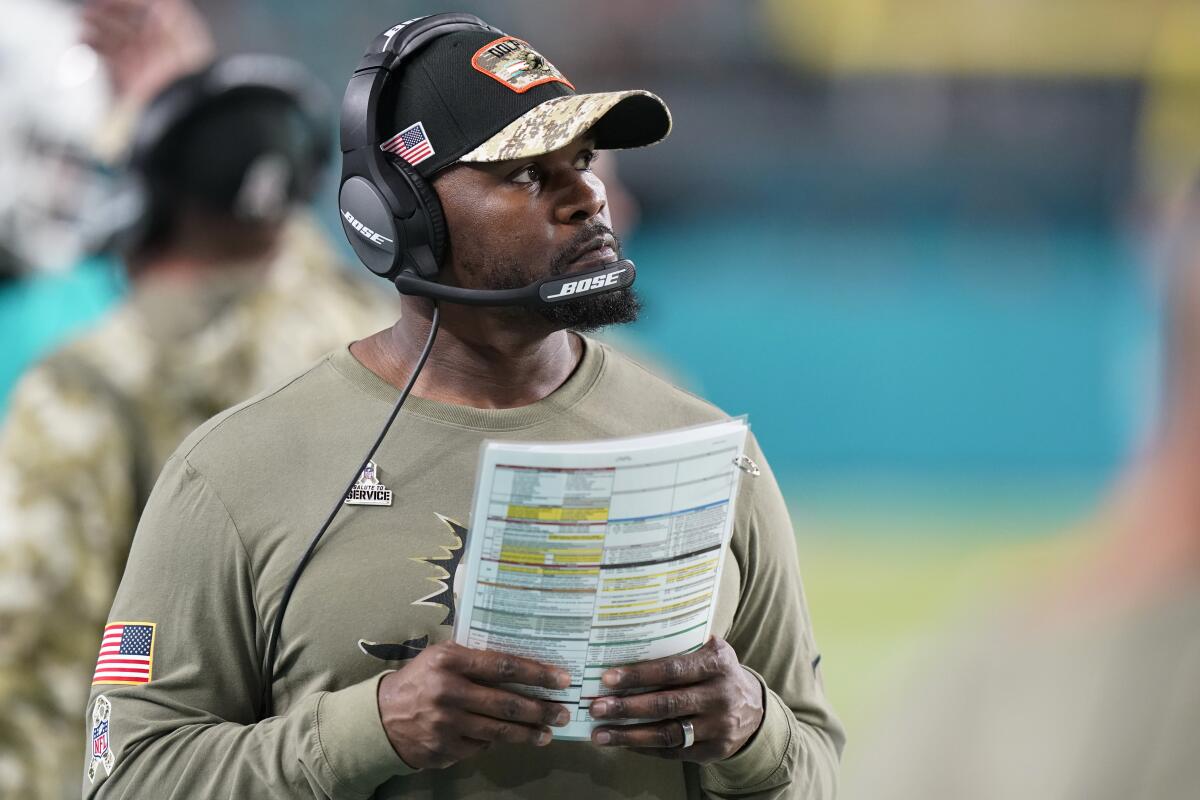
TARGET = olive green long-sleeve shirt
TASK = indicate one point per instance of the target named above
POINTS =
(235, 508)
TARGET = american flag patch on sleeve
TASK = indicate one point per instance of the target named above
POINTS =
(126, 653)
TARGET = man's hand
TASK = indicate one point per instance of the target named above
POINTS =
(709, 687)
(146, 44)
(440, 709)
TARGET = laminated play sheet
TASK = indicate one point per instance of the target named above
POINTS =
(589, 555)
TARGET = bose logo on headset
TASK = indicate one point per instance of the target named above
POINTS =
(364, 231)
(587, 284)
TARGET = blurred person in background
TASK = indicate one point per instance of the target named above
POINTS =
(72, 81)
(1086, 689)
(54, 101)
(232, 289)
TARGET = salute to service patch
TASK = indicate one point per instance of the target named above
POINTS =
(368, 491)
(517, 65)
(126, 653)
(102, 754)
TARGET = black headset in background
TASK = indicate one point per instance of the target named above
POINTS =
(405, 240)
(139, 208)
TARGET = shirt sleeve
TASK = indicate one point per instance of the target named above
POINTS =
(66, 506)
(191, 729)
(796, 750)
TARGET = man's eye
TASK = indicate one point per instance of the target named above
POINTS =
(529, 174)
(586, 159)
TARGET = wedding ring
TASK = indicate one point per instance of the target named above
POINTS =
(689, 733)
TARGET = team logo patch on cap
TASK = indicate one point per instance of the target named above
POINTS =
(515, 64)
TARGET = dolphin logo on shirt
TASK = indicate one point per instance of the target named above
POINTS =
(441, 594)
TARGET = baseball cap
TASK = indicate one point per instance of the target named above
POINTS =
(478, 96)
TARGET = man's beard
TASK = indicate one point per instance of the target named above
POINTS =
(588, 313)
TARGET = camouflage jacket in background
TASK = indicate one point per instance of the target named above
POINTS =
(87, 432)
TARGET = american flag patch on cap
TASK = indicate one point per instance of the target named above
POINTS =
(126, 653)
(411, 144)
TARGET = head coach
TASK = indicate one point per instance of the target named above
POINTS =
(466, 182)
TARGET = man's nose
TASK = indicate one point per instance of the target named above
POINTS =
(583, 198)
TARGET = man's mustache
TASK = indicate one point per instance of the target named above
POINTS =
(575, 248)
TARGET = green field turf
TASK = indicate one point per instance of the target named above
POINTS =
(885, 575)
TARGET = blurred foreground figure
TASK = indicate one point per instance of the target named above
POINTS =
(1089, 690)
(232, 290)
(54, 101)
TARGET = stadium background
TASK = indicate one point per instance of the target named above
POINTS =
(913, 240)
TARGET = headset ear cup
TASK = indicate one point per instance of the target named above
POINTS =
(432, 206)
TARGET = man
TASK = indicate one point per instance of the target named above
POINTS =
(369, 697)
(224, 302)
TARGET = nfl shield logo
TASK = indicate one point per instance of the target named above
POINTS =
(102, 754)
(100, 739)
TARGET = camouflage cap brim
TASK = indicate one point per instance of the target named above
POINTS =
(617, 120)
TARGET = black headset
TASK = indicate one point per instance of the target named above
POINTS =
(392, 216)
(406, 229)
(139, 210)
